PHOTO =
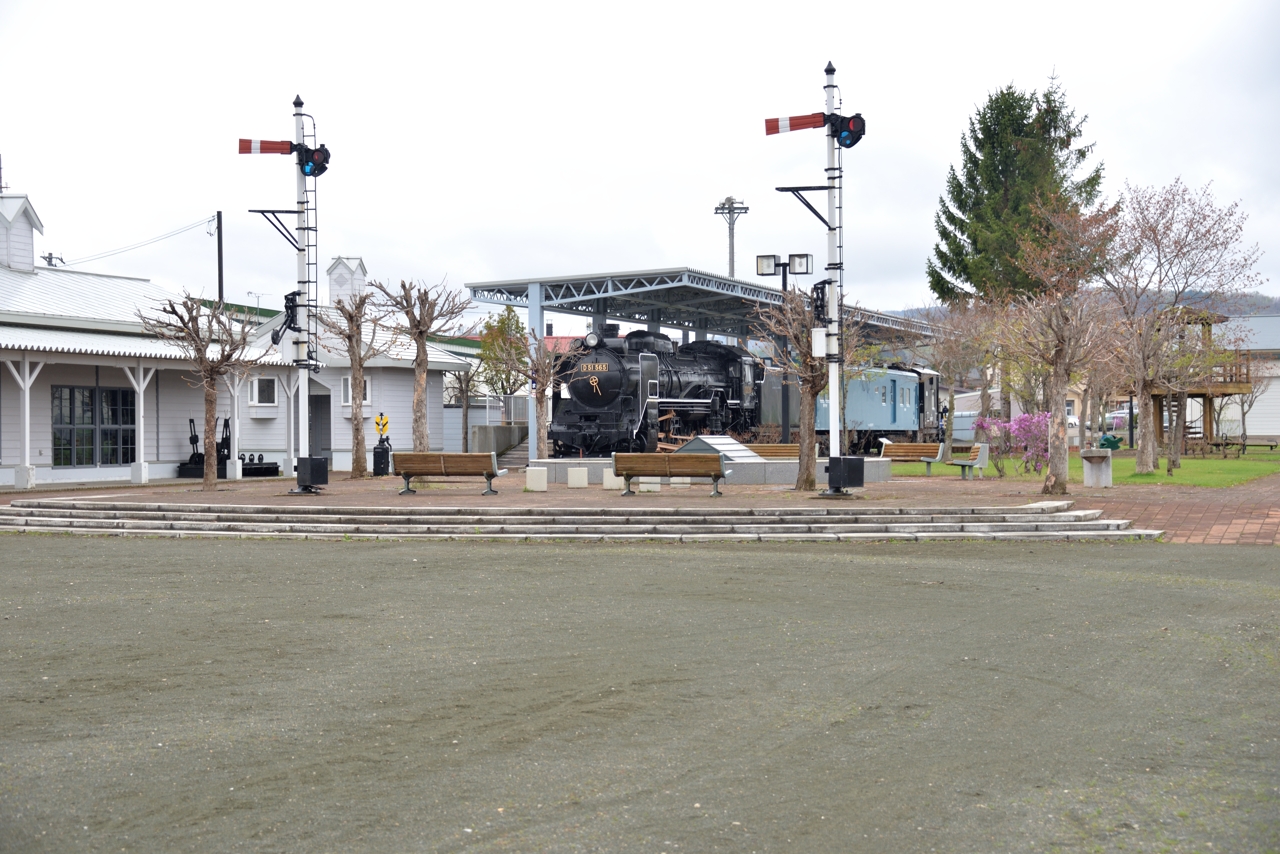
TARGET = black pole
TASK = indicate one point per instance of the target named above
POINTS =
(786, 391)
(219, 256)
(1131, 422)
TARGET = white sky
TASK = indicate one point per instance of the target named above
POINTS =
(515, 140)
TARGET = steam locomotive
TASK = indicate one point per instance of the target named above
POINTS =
(621, 391)
(618, 393)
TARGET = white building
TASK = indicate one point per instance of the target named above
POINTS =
(86, 395)
(1262, 343)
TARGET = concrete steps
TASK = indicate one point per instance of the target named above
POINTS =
(1042, 520)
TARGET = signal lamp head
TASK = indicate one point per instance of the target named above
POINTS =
(850, 130)
(313, 161)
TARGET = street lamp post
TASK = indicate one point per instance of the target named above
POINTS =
(773, 265)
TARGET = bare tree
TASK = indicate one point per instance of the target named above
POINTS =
(465, 385)
(1175, 248)
(1064, 328)
(427, 311)
(792, 323)
(217, 346)
(360, 333)
(962, 344)
(1258, 387)
(541, 366)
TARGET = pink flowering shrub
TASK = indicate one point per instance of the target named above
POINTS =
(1025, 438)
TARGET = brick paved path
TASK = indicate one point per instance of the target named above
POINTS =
(1246, 514)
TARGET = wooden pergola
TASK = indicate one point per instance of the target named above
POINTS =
(1224, 380)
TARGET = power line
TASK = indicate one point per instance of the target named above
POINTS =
(108, 254)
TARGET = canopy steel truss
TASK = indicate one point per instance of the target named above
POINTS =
(679, 297)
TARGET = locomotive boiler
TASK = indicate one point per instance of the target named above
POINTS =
(618, 393)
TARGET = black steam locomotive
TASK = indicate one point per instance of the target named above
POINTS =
(618, 392)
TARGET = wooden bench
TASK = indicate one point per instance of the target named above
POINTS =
(775, 452)
(627, 466)
(407, 464)
(977, 460)
(913, 452)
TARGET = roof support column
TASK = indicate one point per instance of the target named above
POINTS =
(535, 312)
(655, 320)
(139, 379)
(24, 476)
(234, 382)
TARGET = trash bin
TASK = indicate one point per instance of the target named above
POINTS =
(844, 473)
(382, 458)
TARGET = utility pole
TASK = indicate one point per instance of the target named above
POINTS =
(730, 209)
(220, 299)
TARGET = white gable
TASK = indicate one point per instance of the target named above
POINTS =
(18, 224)
(346, 279)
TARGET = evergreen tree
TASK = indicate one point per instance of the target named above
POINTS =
(1020, 147)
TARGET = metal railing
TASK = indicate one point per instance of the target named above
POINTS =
(506, 409)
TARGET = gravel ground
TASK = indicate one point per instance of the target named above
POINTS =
(298, 696)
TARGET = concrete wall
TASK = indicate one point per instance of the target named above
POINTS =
(496, 438)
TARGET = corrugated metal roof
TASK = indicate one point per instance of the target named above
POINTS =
(71, 293)
(97, 344)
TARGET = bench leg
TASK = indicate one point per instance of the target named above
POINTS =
(488, 486)
(715, 488)
(964, 472)
(407, 490)
(627, 479)
(928, 469)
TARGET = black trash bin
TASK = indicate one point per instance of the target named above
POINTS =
(382, 458)
(844, 473)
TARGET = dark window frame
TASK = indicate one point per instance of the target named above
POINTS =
(93, 427)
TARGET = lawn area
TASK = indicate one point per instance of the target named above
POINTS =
(1212, 472)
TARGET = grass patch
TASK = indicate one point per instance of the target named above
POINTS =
(1211, 472)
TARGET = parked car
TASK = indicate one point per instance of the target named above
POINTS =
(1117, 419)
(1073, 422)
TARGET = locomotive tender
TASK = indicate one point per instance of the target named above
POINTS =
(617, 393)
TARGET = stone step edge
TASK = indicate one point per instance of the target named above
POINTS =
(1128, 534)
(1037, 507)
(37, 523)
(636, 519)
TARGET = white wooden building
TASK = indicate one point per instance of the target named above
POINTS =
(1262, 343)
(86, 395)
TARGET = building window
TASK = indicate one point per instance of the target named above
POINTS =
(346, 390)
(94, 426)
(1071, 406)
(262, 391)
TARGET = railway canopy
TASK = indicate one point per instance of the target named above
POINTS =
(680, 297)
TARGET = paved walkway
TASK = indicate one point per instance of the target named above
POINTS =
(1248, 514)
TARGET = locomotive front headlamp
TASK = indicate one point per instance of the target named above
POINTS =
(767, 265)
(800, 265)
(592, 340)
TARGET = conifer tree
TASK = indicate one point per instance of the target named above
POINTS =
(1020, 147)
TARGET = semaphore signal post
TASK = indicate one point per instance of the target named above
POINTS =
(842, 132)
(301, 306)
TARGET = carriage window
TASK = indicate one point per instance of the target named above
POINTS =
(883, 395)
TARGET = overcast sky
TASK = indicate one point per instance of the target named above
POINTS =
(515, 140)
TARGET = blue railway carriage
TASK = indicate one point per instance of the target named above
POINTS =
(897, 403)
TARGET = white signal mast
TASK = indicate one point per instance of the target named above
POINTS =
(842, 132)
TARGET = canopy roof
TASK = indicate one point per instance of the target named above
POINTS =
(678, 297)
